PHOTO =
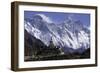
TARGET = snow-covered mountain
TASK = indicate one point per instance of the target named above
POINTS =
(69, 34)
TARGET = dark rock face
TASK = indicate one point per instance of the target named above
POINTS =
(32, 45)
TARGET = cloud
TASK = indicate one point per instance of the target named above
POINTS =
(71, 16)
(45, 18)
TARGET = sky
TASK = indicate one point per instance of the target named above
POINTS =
(59, 17)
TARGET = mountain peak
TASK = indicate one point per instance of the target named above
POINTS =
(72, 34)
(43, 17)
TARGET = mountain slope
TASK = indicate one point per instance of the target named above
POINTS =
(69, 35)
